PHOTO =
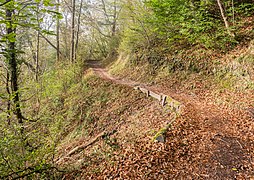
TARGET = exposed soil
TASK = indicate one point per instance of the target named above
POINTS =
(206, 142)
(102, 72)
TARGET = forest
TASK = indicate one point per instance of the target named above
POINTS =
(126, 89)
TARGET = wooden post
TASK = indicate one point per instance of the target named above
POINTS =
(148, 93)
(163, 100)
(136, 88)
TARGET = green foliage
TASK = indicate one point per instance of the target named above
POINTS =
(30, 152)
(190, 23)
(19, 153)
(157, 31)
(240, 9)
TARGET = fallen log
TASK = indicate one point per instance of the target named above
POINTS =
(82, 146)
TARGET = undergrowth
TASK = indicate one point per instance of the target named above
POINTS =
(28, 150)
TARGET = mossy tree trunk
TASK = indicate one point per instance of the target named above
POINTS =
(12, 60)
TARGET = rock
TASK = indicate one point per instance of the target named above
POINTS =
(161, 138)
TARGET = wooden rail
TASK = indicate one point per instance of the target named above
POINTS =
(173, 105)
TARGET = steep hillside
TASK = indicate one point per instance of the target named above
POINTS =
(212, 138)
(209, 140)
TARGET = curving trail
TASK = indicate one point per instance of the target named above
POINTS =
(102, 72)
(221, 139)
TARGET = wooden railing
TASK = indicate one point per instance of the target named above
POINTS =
(164, 100)
(167, 102)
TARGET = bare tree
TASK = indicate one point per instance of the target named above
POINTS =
(113, 31)
(72, 53)
(77, 36)
(224, 17)
(58, 33)
(38, 45)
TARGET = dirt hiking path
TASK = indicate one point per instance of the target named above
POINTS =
(102, 72)
(216, 143)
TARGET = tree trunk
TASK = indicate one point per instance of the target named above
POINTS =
(77, 36)
(66, 38)
(37, 57)
(224, 17)
(114, 21)
(72, 58)
(11, 55)
(37, 46)
(58, 34)
(9, 98)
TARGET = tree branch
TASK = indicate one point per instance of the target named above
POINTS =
(4, 3)
(48, 41)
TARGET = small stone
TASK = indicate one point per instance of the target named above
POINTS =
(160, 138)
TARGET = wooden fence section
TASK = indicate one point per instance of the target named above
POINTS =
(164, 100)
(173, 105)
